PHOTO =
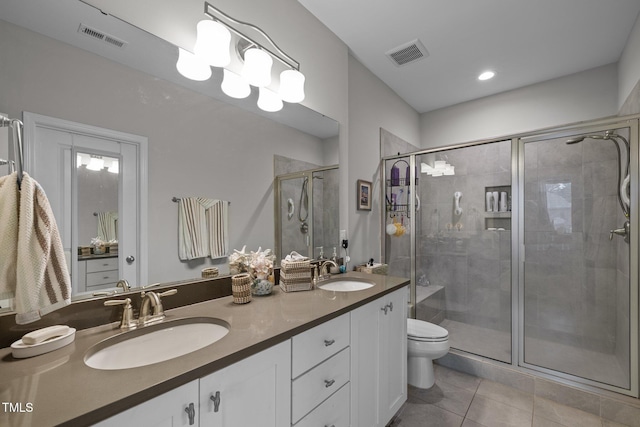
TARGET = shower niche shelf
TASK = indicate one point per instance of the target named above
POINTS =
(497, 220)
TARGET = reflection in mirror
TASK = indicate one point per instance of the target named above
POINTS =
(97, 193)
(307, 212)
(198, 145)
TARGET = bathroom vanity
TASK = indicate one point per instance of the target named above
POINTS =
(303, 358)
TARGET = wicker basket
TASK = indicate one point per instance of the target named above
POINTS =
(241, 288)
(295, 275)
(210, 272)
(375, 269)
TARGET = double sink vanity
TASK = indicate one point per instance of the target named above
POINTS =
(335, 355)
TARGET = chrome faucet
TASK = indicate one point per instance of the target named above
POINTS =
(124, 285)
(151, 310)
(323, 274)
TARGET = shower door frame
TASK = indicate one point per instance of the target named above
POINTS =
(518, 249)
(517, 246)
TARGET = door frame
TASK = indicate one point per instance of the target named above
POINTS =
(32, 121)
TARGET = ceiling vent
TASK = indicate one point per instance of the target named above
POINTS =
(102, 36)
(408, 53)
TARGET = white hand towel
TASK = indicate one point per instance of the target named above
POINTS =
(218, 226)
(43, 283)
(193, 239)
(8, 234)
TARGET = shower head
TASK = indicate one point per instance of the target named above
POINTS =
(582, 138)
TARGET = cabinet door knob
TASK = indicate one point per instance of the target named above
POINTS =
(329, 383)
(216, 401)
(327, 343)
(130, 259)
(191, 413)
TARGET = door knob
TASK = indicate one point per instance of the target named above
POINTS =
(130, 259)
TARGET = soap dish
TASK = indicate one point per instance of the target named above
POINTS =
(21, 350)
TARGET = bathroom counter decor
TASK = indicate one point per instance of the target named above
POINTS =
(57, 384)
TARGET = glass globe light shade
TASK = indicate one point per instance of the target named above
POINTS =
(257, 67)
(234, 86)
(292, 86)
(269, 101)
(212, 43)
(191, 66)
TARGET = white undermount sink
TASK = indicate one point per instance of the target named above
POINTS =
(345, 285)
(155, 343)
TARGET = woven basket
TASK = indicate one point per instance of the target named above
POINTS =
(295, 275)
(241, 288)
(376, 269)
(210, 272)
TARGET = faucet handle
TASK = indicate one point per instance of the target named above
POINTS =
(127, 314)
(168, 293)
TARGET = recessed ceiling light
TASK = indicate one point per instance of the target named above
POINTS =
(486, 75)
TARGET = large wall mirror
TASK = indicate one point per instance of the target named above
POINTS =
(198, 145)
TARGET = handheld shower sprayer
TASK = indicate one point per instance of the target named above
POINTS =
(456, 199)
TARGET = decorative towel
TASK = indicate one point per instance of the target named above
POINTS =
(218, 225)
(41, 283)
(8, 234)
(108, 226)
(202, 228)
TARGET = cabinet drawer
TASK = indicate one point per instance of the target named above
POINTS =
(317, 344)
(102, 278)
(332, 412)
(312, 388)
(104, 264)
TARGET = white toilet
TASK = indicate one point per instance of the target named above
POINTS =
(425, 342)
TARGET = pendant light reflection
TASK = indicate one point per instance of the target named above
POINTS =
(257, 67)
(192, 66)
(234, 86)
(114, 167)
(212, 43)
(269, 101)
(292, 86)
(96, 163)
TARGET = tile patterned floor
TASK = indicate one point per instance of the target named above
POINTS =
(462, 400)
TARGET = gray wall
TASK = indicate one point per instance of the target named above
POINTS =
(198, 146)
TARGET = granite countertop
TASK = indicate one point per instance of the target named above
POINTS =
(64, 391)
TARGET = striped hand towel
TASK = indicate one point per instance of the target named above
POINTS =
(41, 283)
(8, 234)
(218, 226)
(203, 228)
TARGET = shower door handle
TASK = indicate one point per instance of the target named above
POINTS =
(624, 232)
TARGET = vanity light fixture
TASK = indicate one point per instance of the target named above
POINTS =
(96, 163)
(439, 168)
(114, 167)
(486, 75)
(223, 41)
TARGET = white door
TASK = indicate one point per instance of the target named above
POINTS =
(255, 392)
(52, 147)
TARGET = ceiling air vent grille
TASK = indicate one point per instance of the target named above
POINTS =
(408, 53)
(101, 35)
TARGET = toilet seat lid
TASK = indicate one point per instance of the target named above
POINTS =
(422, 330)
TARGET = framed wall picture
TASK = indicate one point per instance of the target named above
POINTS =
(364, 195)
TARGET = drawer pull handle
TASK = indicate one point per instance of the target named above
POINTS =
(327, 343)
(191, 413)
(216, 401)
(329, 383)
(390, 306)
(332, 425)
(385, 309)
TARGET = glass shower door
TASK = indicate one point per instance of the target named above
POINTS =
(576, 279)
(295, 215)
(463, 253)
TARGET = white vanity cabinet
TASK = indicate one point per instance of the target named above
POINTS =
(253, 392)
(96, 274)
(175, 408)
(320, 374)
(379, 359)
